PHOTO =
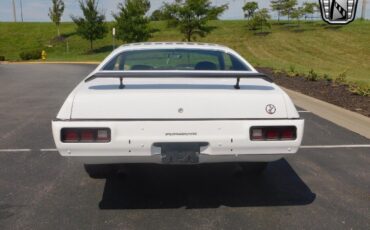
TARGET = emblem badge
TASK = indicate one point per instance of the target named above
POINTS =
(338, 11)
(270, 109)
(181, 110)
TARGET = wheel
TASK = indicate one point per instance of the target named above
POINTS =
(254, 167)
(100, 170)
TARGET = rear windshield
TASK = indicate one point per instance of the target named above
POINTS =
(175, 59)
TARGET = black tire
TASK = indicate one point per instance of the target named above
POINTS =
(100, 170)
(254, 167)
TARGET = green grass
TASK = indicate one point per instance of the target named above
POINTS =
(315, 45)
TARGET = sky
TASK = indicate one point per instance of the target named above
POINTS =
(37, 10)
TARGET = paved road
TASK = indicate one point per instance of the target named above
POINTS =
(318, 188)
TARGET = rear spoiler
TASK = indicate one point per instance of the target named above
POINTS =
(177, 74)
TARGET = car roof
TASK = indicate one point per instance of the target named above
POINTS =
(172, 45)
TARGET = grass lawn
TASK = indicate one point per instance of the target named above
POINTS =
(326, 49)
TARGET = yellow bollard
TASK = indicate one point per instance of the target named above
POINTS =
(44, 55)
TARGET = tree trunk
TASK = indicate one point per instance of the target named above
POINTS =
(189, 36)
(363, 10)
(58, 31)
(261, 26)
(278, 16)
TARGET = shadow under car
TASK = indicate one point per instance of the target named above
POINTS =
(204, 186)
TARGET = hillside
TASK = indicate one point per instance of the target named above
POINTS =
(325, 48)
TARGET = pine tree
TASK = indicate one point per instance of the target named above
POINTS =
(131, 23)
(92, 25)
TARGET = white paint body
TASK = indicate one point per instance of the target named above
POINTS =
(146, 111)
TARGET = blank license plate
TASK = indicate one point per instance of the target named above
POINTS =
(180, 153)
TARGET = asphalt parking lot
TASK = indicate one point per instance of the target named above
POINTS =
(325, 186)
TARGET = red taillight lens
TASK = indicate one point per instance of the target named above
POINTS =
(87, 135)
(287, 133)
(83, 135)
(273, 133)
(70, 136)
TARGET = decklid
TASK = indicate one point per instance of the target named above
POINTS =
(177, 98)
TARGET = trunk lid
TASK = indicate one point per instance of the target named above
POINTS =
(177, 99)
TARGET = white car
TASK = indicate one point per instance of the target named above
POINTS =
(176, 103)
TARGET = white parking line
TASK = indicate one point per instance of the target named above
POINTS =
(15, 150)
(303, 111)
(333, 146)
(48, 150)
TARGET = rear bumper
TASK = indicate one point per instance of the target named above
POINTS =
(134, 141)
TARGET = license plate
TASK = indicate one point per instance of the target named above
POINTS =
(180, 153)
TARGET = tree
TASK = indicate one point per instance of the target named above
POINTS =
(249, 8)
(288, 7)
(259, 20)
(277, 5)
(363, 10)
(92, 26)
(56, 12)
(157, 15)
(297, 13)
(191, 16)
(309, 8)
(131, 23)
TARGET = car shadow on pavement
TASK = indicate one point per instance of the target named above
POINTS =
(204, 186)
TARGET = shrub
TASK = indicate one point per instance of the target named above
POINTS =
(259, 20)
(30, 55)
(292, 71)
(327, 78)
(360, 90)
(292, 74)
(2, 58)
(341, 79)
(312, 76)
(277, 71)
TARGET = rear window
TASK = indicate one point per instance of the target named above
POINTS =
(175, 59)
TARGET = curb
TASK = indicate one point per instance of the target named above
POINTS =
(350, 120)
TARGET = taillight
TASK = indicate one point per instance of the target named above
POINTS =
(103, 135)
(256, 134)
(84, 135)
(273, 133)
(288, 134)
(70, 135)
(87, 135)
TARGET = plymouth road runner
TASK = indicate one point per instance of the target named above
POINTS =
(176, 103)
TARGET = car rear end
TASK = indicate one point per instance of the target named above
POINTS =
(142, 141)
(183, 122)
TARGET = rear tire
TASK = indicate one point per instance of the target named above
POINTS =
(100, 170)
(254, 167)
